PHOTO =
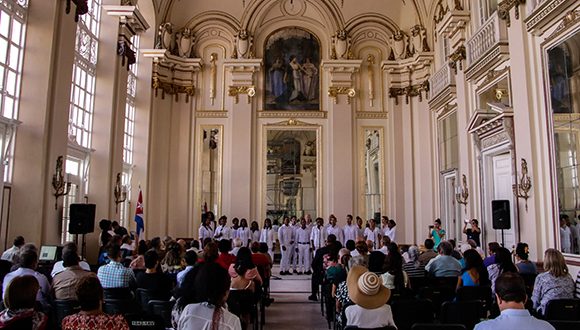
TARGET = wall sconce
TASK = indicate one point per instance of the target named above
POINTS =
(462, 192)
(522, 188)
(60, 186)
(120, 192)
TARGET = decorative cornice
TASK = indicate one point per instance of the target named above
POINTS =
(129, 16)
(291, 122)
(441, 10)
(371, 115)
(172, 89)
(293, 114)
(335, 91)
(544, 13)
(409, 91)
(571, 18)
(457, 56)
(211, 114)
(235, 91)
(492, 58)
(504, 7)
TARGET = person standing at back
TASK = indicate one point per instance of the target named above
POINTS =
(437, 233)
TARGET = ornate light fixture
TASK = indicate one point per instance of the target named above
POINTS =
(60, 186)
(522, 188)
(120, 193)
(462, 192)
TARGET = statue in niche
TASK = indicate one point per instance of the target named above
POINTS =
(185, 41)
(341, 45)
(418, 40)
(309, 149)
(165, 39)
(244, 44)
(399, 45)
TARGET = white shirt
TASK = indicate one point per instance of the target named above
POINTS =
(205, 232)
(285, 235)
(267, 236)
(224, 231)
(350, 232)
(234, 233)
(391, 232)
(565, 237)
(369, 318)
(384, 250)
(255, 235)
(58, 267)
(373, 235)
(336, 231)
(43, 294)
(10, 254)
(302, 236)
(244, 234)
(317, 237)
(200, 316)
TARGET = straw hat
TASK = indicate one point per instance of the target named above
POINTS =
(366, 288)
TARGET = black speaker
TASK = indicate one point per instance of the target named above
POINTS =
(501, 214)
(82, 218)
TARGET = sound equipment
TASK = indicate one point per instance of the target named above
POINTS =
(501, 214)
(82, 218)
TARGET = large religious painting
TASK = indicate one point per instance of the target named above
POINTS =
(292, 57)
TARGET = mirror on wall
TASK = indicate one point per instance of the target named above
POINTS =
(563, 76)
(291, 173)
(211, 167)
(372, 170)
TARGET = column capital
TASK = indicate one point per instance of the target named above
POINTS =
(341, 71)
(130, 18)
(242, 77)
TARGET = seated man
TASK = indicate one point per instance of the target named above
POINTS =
(157, 283)
(65, 282)
(28, 263)
(428, 254)
(12, 253)
(190, 261)
(260, 260)
(510, 292)
(225, 259)
(444, 265)
(114, 274)
(59, 267)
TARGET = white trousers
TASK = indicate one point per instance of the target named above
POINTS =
(294, 256)
(303, 257)
(285, 261)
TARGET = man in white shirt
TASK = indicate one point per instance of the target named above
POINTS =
(222, 231)
(293, 254)
(510, 292)
(360, 228)
(317, 235)
(303, 248)
(286, 238)
(335, 230)
(391, 230)
(373, 233)
(59, 267)
(12, 253)
(28, 264)
(565, 235)
(349, 230)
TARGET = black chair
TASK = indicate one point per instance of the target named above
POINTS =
(437, 295)
(482, 293)
(565, 325)
(242, 303)
(118, 306)
(352, 327)
(143, 298)
(329, 304)
(450, 281)
(410, 311)
(467, 312)
(64, 308)
(163, 309)
(563, 310)
(437, 326)
(418, 282)
(529, 281)
(118, 293)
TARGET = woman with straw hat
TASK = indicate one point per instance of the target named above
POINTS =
(366, 290)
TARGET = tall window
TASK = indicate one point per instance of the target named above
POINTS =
(448, 144)
(13, 16)
(486, 9)
(81, 108)
(129, 133)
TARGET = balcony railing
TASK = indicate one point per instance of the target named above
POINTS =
(440, 81)
(491, 34)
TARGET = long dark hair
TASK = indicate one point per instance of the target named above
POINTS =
(473, 260)
(394, 265)
(243, 261)
(503, 258)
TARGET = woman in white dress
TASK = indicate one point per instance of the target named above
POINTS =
(255, 232)
(244, 232)
(267, 236)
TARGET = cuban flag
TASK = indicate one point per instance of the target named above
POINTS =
(139, 214)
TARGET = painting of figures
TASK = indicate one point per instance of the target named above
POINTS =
(292, 61)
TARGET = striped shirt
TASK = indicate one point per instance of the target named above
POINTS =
(414, 271)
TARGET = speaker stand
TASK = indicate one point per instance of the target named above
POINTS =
(502, 241)
(83, 247)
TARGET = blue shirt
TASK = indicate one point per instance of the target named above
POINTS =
(181, 275)
(443, 266)
(511, 319)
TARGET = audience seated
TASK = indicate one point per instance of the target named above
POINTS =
(225, 258)
(64, 283)
(370, 309)
(157, 283)
(554, 283)
(260, 260)
(524, 265)
(19, 301)
(413, 267)
(190, 261)
(172, 262)
(444, 265)
(511, 298)
(118, 229)
(28, 263)
(362, 257)
(202, 299)
(210, 252)
(492, 247)
(244, 272)
(237, 244)
(428, 254)
(318, 270)
(474, 273)
(577, 292)
(12, 254)
(394, 278)
(90, 296)
(157, 245)
(385, 245)
(59, 267)
(139, 261)
(502, 263)
(114, 274)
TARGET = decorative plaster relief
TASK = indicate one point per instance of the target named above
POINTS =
(335, 91)
(504, 7)
(542, 16)
(211, 114)
(235, 91)
(371, 115)
(293, 114)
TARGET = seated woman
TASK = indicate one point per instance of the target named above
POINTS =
(202, 300)
(474, 273)
(244, 273)
(172, 263)
(524, 265)
(139, 261)
(394, 277)
(90, 296)
(503, 263)
(555, 283)
(413, 267)
(365, 289)
(336, 273)
(19, 300)
(157, 283)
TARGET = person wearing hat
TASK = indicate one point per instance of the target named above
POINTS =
(366, 290)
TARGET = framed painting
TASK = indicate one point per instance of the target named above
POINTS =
(292, 62)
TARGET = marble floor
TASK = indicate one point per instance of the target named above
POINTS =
(291, 309)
